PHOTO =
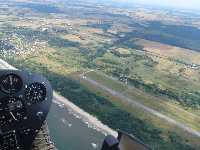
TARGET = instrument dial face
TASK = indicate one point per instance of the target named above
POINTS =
(11, 111)
(35, 92)
(25, 99)
(11, 83)
(10, 104)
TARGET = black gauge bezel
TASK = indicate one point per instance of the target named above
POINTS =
(28, 88)
(9, 91)
(32, 120)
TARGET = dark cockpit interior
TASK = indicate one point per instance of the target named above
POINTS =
(25, 101)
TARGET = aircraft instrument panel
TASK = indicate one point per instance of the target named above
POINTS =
(25, 101)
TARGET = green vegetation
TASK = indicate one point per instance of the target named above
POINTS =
(137, 69)
(64, 57)
(103, 26)
(176, 35)
(108, 43)
(112, 115)
(114, 66)
(54, 41)
(158, 103)
(191, 99)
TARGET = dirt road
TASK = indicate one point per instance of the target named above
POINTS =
(135, 103)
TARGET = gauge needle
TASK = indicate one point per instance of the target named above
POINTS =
(13, 116)
(11, 82)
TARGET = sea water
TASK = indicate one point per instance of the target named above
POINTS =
(69, 132)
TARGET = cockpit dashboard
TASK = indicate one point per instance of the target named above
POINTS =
(25, 100)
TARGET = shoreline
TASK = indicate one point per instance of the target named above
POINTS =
(84, 116)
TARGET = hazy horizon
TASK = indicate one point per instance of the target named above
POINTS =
(179, 4)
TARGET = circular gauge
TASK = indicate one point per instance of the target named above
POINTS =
(35, 92)
(11, 83)
(12, 110)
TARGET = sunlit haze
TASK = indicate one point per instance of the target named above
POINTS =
(184, 4)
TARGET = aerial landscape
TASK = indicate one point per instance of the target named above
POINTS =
(135, 68)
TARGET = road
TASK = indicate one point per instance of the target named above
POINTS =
(135, 103)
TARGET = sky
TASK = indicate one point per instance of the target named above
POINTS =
(184, 4)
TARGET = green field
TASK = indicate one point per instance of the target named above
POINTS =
(163, 105)
(150, 65)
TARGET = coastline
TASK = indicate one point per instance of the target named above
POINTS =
(84, 116)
